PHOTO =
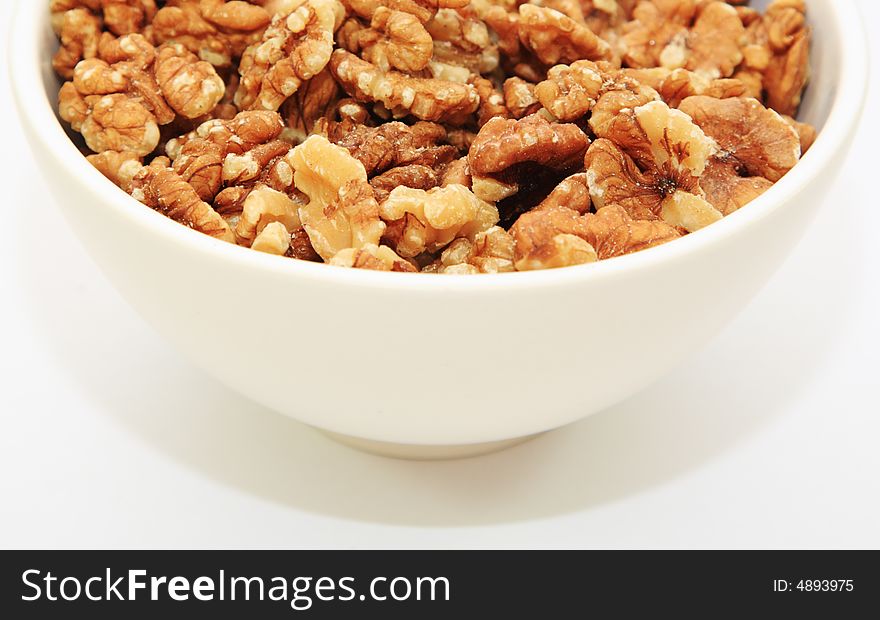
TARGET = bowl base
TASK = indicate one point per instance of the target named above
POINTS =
(414, 452)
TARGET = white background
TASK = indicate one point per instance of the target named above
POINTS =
(769, 438)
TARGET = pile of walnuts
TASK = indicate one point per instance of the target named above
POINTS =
(437, 136)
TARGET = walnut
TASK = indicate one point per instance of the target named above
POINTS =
(263, 207)
(110, 122)
(461, 41)
(394, 144)
(491, 101)
(191, 87)
(651, 167)
(491, 251)
(217, 31)
(503, 143)
(520, 98)
(273, 239)
(424, 10)
(680, 84)
(79, 31)
(569, 92)
(224, 160)
(422, 220)
(426, 99)
(550, 238)
(416, 176)
(573, 193)
(396, 39)
(757, 148)
(162, 189)
(342, 211)
(457, 172)
(696, 35)
(806, 133)
(612, 232)
(293, 49)
(118, 167)
(371, 256)
(311, 102)
(556, 38)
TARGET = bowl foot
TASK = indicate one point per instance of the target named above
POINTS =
(416, 452)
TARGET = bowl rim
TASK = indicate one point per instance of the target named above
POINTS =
(26, 66)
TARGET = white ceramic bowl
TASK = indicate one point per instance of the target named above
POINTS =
(445, 365)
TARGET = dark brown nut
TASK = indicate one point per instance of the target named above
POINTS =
(294, 48)
(427, 221)
(503, 143)
(314, 100)
(396, 40)
(394, 144)
(555, 38)
(162, 189)
(216, 31)
(416, 176)
(520, 98)
(425, 99)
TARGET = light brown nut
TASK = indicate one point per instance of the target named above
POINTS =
(550, 238)
(134, 49)
(612, 104)
(394, 144)
(265, 206)
(457, 172)
(416, 176)
(238, 135)
(573, 193)
(216, 31)
(491, 101)
(655, 24)
(342, 212)
(569, 92)
(503, 143)
(711, 48)
(612, 232)
(555, 38)
(396, 40)
(118, 167)
(430, 220)
(293, 49)
(520, 98)
(806, 133)
(119, 123)
(424, 10)
(651, 165)
(491, 251)
(274, 239)
(758, 138)
(374, 257)
(727, 189)
(190, 86)
(680, 84)
(162, 189)
(461, 41)
(426, 99)
(79, 31)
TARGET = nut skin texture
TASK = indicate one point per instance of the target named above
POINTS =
(191, 87)
(162, 189)
(415, 176)
(79, 31)
(119, 167)
(520, 98)
(425, 99)
(556, 38)
(503, 143)
(294, 48)
(374, 257)
(396, 40)
(491, 251)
